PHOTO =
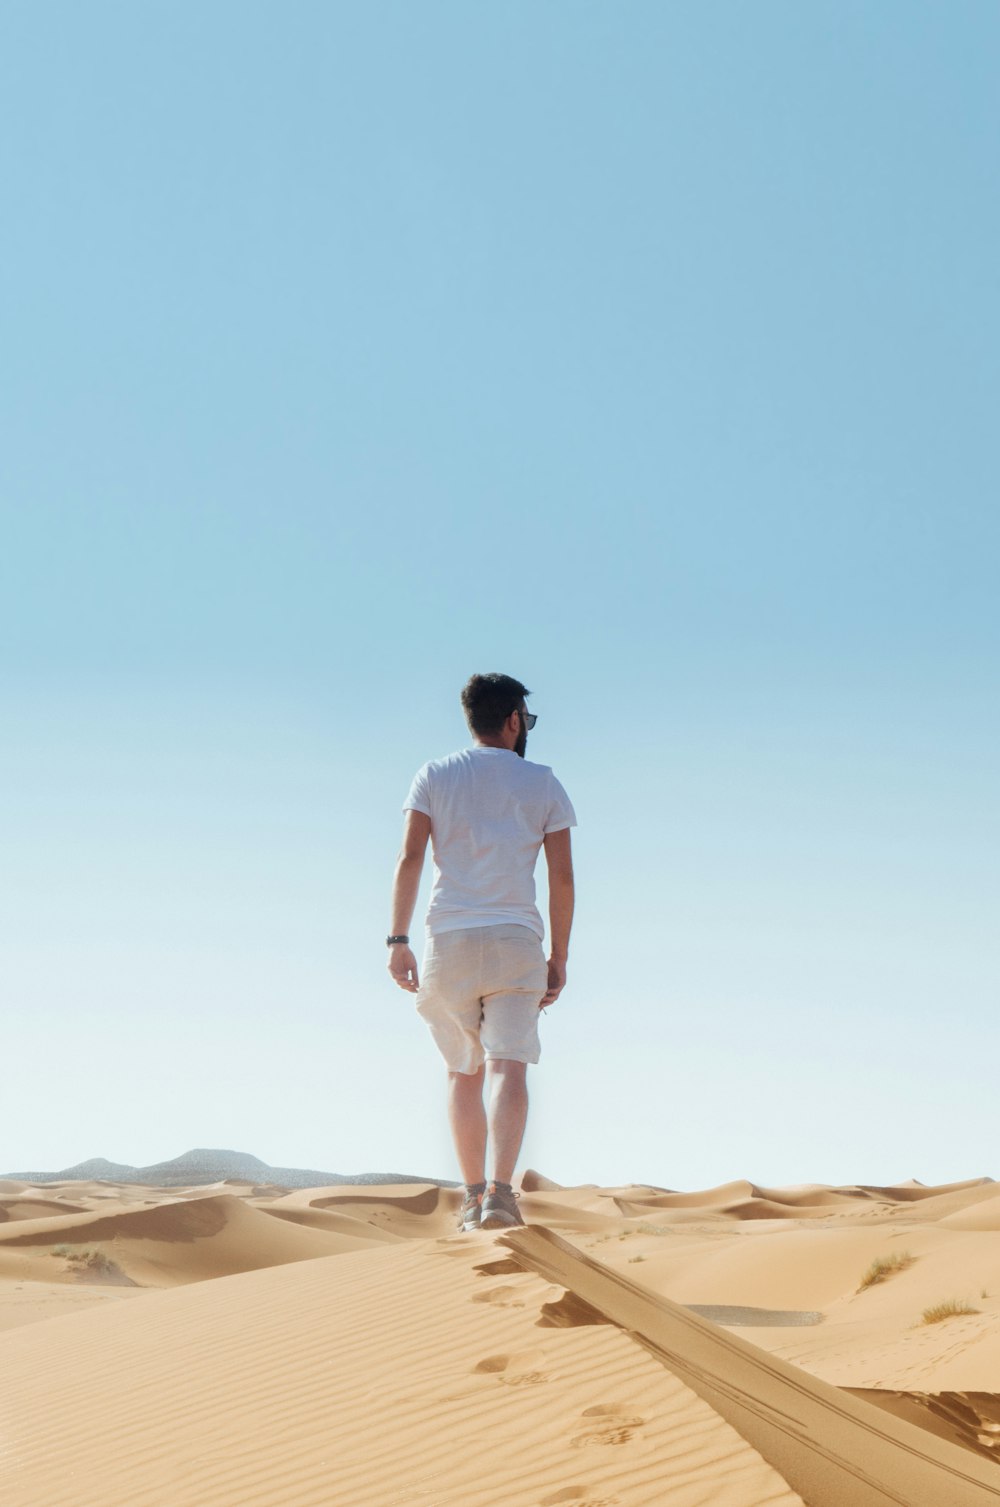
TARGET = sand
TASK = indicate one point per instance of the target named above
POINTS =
(239, 1346)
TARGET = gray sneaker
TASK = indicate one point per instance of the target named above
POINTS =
(470, 1218)
(500, 1209)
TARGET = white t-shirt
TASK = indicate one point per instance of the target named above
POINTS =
(489, 811)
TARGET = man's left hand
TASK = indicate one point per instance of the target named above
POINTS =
(557, 983)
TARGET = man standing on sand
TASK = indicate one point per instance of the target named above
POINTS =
(487, 811)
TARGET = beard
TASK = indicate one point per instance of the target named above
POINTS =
(522, 741)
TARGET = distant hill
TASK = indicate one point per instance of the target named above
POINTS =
(205, 1165)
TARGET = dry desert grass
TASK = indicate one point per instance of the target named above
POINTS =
(951, 1308)
(886, 1266)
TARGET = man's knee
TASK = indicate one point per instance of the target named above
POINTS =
(463, 1080)
(506, 1067)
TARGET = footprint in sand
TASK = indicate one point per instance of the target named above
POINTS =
(522, 1369)
(500, 1297)
(607, 1423)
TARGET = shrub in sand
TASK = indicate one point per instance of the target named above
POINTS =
(90, 1256)
(886, 1266)
(949, 1310)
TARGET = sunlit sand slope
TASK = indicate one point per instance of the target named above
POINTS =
(242, 1345)
(833, 1448)
(414, 1373)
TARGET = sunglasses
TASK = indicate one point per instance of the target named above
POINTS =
(528, 718)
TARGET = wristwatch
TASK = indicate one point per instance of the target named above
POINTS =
(391, 941)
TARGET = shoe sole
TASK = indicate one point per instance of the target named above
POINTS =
(499, 1221)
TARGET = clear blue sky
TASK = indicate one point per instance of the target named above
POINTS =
(648, 353)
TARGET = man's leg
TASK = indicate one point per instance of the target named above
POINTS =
(467, 1118)
(508, 1115)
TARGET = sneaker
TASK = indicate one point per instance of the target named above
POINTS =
(500, 1209)
(471, 1208)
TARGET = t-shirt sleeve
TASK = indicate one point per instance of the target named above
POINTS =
(419, 798)
(561, 813)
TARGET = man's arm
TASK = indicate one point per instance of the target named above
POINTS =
(559, 857)
(406, 883)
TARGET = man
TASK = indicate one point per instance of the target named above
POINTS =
(488, 811)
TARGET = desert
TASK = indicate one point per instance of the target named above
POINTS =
(237, 1341)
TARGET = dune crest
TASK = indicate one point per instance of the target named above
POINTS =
(296, 1347)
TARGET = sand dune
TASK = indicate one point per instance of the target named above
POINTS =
(30, 1300)
(828, 1445)
(241, 1345)
(984, 1214)
(36, 1208)
(175, 1242)
(361, 1230)
(398, 1375)
(399, 1209)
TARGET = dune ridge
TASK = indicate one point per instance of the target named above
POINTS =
(181, 1241)
(329, 1383)
(238, 1344)
(829, 1446)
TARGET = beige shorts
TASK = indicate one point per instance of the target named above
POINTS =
(480, 992)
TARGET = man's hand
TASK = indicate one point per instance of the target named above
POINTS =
(557, 982)
(403, 967)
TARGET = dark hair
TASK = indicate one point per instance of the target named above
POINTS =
(489, 700)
